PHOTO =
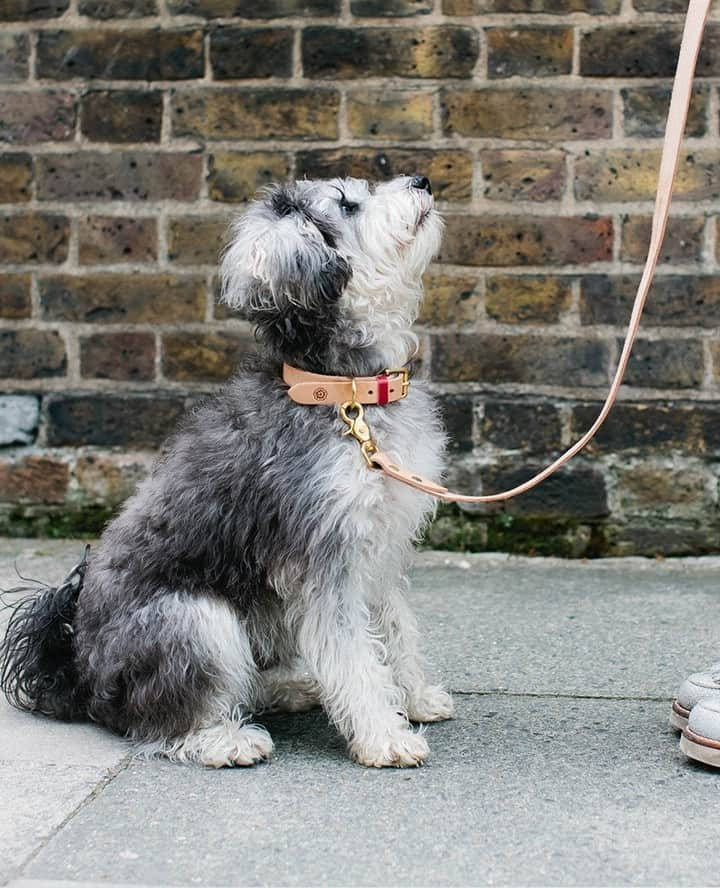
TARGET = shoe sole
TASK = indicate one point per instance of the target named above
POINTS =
(700, 749)
(679, 716)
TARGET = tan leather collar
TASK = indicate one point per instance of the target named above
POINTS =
(314, 388)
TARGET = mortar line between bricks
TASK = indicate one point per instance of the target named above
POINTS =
(614, 698)
(95, 792)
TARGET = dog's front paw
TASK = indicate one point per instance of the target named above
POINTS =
(431, 704)
(402, 749)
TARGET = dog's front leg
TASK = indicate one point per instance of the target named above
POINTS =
(423, 702)
(357, 687)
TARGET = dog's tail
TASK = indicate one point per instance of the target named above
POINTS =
(37, 657)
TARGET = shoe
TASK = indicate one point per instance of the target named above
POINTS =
(700, 685)
(700, 740)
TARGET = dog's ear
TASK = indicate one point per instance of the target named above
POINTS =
(282, 256)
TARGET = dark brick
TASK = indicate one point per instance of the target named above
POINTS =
(645, 110)
(234, 177)
(27, 117)
(130, 175)
(488, 358)
(668, 491)
(551, 7)
(450, 171)
(675, 300)
(458, 414)
(121, 116)
(655, 427)
(379, 8)
(666, 363)
(665, 539)
(132, 420)
(520, 174)
(33, 479)
(573, 493)
(628, 174)
(517, 425)
(256, 114)
(109, 9)
(449, 299)
(15, 296)
(683, 239)
(124, 356)
(237, 53)
(122, 299)
(121, 54)
(527, 240)
(643, 51)
(14, 53)
(15, 178)
(438, 51)
(252, 9)
(529, 52)
(107, 239)
(390, 114)
(660, 5)
(528, 113)
(513, 299)
(196, 240)
(31, 354)
(31, 10)
(34, 237)
(211, 357)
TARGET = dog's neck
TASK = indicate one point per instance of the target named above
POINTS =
(349, 353)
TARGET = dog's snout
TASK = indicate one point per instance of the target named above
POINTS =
(422, 183)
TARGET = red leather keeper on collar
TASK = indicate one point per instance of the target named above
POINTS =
(314, 388)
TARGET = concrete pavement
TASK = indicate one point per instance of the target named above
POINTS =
(560, 768)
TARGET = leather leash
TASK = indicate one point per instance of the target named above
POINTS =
(351, 410)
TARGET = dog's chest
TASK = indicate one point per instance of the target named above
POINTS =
(412, 435)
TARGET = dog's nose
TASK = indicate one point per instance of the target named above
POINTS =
(421, 182)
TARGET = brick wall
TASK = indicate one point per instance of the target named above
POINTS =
(130, 129)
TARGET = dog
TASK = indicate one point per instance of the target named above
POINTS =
(262, 565)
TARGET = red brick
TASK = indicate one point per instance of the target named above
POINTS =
(33, 479)
(122, 356)
(27, 117)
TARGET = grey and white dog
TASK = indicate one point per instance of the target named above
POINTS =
(262, 565)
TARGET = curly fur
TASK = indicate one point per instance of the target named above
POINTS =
(261, 565)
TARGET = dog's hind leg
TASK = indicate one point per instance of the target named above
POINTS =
(178, 676)
(288, 689)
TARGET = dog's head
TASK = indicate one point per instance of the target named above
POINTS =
(330, 271)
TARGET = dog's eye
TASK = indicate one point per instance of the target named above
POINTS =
(348, 207)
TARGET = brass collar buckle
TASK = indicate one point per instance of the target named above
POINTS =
(404, 373)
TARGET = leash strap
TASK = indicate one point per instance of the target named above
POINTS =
(675, 127)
